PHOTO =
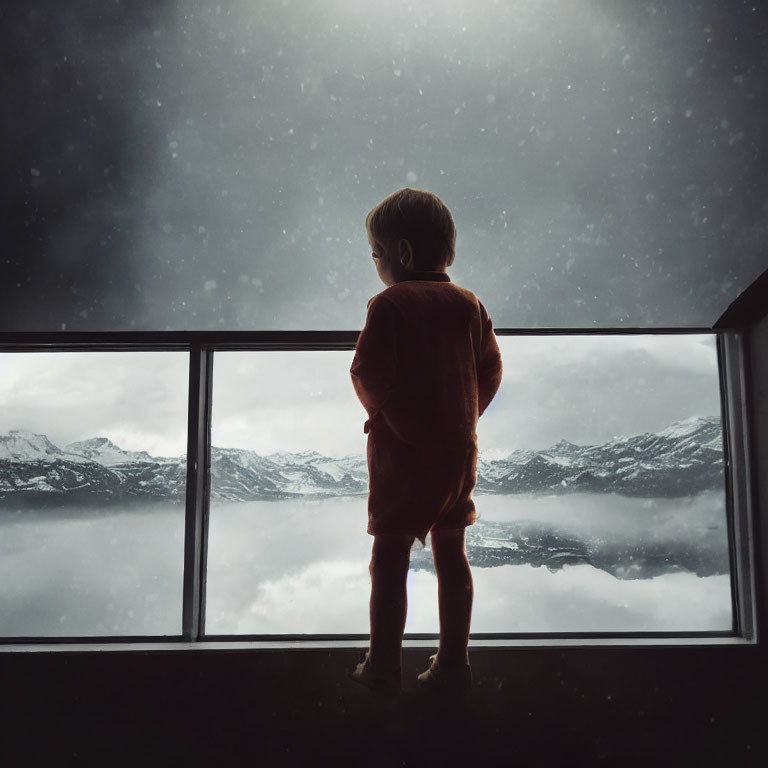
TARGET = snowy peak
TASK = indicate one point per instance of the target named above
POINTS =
(688, 427)
(105, 452)
(564, 448)
(283, 458)
(23, 445)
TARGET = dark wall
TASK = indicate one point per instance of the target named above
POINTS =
(758, 335)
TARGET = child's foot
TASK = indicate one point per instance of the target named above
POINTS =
(446, 678)
(386, 682)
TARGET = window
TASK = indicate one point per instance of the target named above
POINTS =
(601, 492)
(92, 488)
(601, 495)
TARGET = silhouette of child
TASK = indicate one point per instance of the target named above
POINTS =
(426, 366)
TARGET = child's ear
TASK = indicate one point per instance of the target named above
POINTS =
(405, 252)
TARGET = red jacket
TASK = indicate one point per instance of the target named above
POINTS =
(427, 363)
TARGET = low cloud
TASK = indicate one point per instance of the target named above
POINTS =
(507, 599)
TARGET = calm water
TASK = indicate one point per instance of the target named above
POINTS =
(70, 572)
(301, 567)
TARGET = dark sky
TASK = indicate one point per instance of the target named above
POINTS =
(183, 165)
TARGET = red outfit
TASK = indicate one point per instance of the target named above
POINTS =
(426, 366)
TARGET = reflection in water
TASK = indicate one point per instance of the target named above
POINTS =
(279, 578)
(301, 566)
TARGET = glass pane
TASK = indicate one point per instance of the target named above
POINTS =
(603, 501)
(600, 493)
(288, 496)
(92, 489)
(212, 164)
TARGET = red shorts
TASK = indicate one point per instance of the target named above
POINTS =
(414, 489)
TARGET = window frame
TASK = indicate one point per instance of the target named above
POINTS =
(734, 370)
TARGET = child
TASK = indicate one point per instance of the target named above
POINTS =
(426, 366)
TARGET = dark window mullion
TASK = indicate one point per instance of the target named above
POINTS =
(734, 375)
(728, 485)
(207, 401)
(196, 520)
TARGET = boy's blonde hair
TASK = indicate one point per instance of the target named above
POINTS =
(420, 217)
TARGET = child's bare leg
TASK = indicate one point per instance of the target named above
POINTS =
(389, 602)
(455, 593)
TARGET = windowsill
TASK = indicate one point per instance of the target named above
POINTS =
(340, 645)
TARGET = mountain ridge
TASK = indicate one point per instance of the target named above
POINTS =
(684, 459)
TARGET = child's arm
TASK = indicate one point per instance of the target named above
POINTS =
(489, 364)
(375, 362)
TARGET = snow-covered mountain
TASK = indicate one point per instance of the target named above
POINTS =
(32, 468)
(22, 445)
(105, 452)
(682, 460)
(240, 475)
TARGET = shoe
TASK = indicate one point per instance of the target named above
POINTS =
(380, 681)
(441, 678)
